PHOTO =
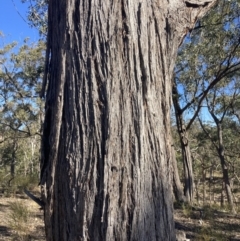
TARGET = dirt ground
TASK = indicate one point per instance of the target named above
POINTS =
(210, 225)
(12, 226)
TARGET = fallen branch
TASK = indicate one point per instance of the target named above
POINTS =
(34, 198)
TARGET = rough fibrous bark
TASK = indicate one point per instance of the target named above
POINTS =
(106, 148)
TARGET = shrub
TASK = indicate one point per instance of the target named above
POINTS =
(18, 220)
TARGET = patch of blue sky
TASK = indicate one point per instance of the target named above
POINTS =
(13, 22)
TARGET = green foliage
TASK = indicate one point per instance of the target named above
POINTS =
(21, 111)
(207, 87)
(187, 210)
(29, 182)
(37, 14)
(209, 56)
(20, 82)
(12, 186)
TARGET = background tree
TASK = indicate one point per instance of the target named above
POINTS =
(21, 109)
(106, 152)
(37, 15)
(219, 101)
(209, 55)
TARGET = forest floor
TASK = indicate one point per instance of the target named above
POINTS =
(207, 224)
(21, 220)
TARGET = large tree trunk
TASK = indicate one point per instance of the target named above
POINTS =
(106, 148)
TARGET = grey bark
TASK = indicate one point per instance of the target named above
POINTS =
(185, 148)
(106, 169)
(13, 159)
(224, 166)
(177, 185)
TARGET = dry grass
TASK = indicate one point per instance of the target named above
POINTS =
(20, 219)
(215, 224)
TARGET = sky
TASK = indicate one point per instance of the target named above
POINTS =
(13, 22)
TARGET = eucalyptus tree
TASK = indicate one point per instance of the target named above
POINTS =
(219, 101)
(37, 15)
(208, 55)
(231, 134)
(106, 149)
(21, 70)
(235, 111)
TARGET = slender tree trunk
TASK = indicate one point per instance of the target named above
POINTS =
(198, 191)
(185, 148)
(106, 149)
(204, 185)
(224, 166)
(210, 184)
(221, 154)
(177, 185)
(222, 194)
(187, 165)
(13, 161)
